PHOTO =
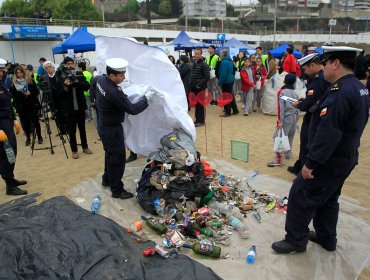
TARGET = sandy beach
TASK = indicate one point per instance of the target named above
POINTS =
(54, 175)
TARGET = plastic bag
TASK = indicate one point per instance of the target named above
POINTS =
(281, 142)
(208, 170)
(258, 84)
(212, 74)
(237, 75)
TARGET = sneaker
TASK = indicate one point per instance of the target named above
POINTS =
(87, 151)
(123, 195)
(285, 247)
(328, 247)
(75, 155)
(199, 124)
(246, 114)
(28, 142)
(273, 164)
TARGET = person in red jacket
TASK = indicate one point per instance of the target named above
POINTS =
(259, 74)
(289, 64)
(248, 85)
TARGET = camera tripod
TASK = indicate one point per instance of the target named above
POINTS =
(44, 111)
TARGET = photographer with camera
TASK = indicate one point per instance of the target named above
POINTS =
(73, 103)
(25, 94)
(50, 85)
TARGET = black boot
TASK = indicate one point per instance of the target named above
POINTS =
(132, 157)
(123, 195)
(328, 247)
(285, 247)
(18, 182)
(14, 190)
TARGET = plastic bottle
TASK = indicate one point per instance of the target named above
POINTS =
(221, 180)
(162, 252)
(154, 225)
(159, 205)
(95, 204)
(136, 226)
(225, 209)
(9, 152)
(239, 226)
(205, 250)
(251, 257)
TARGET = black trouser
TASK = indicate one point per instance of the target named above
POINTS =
(232, 105)
(115, 156)
(7, 169)
(315, 199)
(303, 148)
(77, 118)
(199, 109)
(30, 120)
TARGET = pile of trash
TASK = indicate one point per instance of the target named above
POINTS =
(191, 205)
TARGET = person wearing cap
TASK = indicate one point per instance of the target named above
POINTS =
(8, 123)
(338, 121)
(73, 105)
(311, 50)
(287, 118)
(316, 88)
(212, 85)
(112, 104)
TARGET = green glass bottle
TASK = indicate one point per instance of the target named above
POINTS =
(205, 250)
(207, 198)
(154, 225)
(205, 231)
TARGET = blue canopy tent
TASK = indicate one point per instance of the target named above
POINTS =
(280, 50)
(79, 41)
(183, 41)
(235, 43)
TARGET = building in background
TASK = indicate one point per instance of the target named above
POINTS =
(204, 8)
(110, 6)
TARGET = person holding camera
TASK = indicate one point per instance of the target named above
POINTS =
(25, 94)
(73, 104)
(7, 124)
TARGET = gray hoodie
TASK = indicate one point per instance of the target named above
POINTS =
(286, 108)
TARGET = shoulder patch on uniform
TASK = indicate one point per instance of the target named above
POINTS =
(334, 88)
(323, 111)
(364, 92)
(310, 92)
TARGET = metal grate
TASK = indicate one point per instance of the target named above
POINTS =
(240, 150)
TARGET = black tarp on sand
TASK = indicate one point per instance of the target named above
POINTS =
(59, 240)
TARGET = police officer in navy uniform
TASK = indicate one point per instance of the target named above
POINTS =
(338, 121)
(7, 124)
(112, 104)
(316, 88)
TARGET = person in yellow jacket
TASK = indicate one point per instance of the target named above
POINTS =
(264, 57)
(212, 84)
(82, 67)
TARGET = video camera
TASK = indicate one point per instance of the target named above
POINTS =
(72, 75)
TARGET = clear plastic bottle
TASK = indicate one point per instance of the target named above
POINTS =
(225, 209)
(159, 205)
(95, 204)
(251, 257)
(135, 226)
(239, 226)
(9, 152)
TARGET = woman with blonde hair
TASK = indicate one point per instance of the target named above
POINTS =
(25, 93)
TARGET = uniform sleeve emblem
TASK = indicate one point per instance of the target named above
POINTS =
(310, 92)
(323, 111)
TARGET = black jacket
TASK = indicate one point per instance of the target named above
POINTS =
(199, 75)
(185, 71)
(66, 95)
(25, 103)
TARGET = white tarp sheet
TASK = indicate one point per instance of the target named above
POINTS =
(272, 86)
(347, 262)
(148, 66)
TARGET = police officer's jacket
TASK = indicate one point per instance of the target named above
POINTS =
(316, 89)
(337, 124)
(112, 103)
(6, 109)
(199, 75)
